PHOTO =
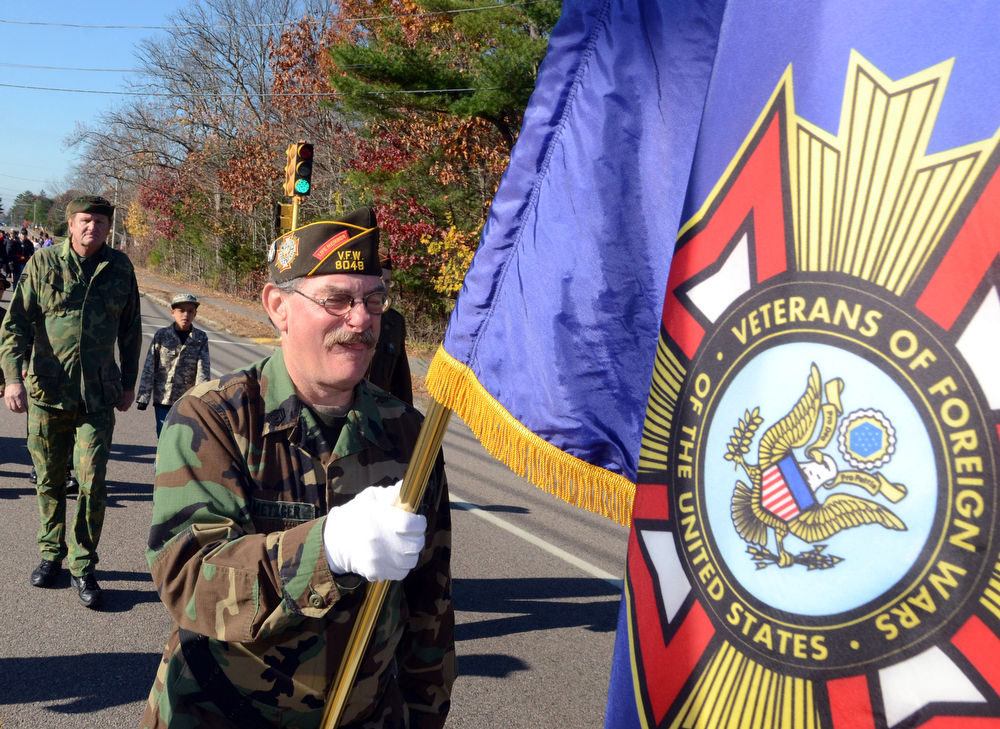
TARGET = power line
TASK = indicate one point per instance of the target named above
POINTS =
(68, 68)
(239, 96)
(25, 179)
(83, 26)
(125, 70)
(280, 24)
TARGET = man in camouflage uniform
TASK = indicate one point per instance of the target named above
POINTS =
(177, 360)
(272, 511)
(73, 303)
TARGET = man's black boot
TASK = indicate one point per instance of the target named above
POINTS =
(88, 589)
(45, 573)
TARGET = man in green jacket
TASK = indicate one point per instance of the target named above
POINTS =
(273, 508)
(73, 304)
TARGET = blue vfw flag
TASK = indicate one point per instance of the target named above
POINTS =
(741, 287)
(549, 352)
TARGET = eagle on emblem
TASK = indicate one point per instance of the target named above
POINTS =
(781, 495)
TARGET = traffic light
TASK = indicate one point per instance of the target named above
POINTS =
(283, 217)
(290, 169)
(298, 168)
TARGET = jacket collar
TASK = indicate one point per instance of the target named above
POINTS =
(73, 260)
(177, 337)
(283, 410)
(66, 251)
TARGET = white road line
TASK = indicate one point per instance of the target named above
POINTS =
(460, 502)
(153, 328)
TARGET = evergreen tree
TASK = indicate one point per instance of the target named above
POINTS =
(454, 58)
(439, 89)
(29, 208)
(20, 211)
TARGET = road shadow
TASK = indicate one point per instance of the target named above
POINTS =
(14, 483)
(126, 575)
(15, 486)
(14, 449)
(532, 604)
(133, 452)
(78, 684)
(121, 493)
(122, 601)
(489, 664)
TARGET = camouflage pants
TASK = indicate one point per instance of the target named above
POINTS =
(53, 437)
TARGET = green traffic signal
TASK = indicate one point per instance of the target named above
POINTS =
(298, 168)
(303, 168)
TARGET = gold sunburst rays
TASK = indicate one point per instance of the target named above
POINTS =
(870, 202)
(735, 692)
(668, 375)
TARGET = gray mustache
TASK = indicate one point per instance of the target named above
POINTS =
(340, 336)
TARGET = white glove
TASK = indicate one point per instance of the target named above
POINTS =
(372, 537)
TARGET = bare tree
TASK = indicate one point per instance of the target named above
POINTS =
(204, 127)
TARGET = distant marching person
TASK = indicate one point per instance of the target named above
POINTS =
(177, 360)
(74, 303)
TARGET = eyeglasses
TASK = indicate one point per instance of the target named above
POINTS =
(341, 304)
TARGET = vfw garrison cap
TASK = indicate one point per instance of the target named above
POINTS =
(94, 204)
(349, 245)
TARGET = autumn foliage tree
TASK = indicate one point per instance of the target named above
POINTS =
(412, 106)
(441, 86)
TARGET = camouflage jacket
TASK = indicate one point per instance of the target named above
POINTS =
(172, 368)
(244, 479)
(66, 327)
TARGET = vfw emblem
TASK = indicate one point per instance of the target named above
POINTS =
(781, 497)
(815, 525)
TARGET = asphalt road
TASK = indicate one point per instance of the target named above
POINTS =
(536, 591)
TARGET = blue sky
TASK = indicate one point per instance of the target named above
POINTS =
(33, 123)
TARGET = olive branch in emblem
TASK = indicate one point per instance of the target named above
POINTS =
(813, 559)
(742, 437)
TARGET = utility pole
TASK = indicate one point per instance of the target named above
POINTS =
(114, 219)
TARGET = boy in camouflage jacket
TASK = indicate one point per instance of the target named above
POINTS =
(177, 360)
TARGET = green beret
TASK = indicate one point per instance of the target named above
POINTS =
(339, 246)
(94, 204)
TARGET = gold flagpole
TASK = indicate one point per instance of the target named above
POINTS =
(425, 453)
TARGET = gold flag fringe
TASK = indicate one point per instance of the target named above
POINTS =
(573, 480)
